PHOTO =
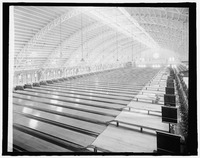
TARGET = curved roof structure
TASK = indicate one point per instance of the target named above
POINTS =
(49, 37)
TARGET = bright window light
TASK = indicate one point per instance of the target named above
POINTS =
(29, 62)
(155, 55)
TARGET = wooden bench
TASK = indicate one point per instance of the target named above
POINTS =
(156, 89)
(151, 100)
(43, 83)
(49, 81)
(19, 87)
(36, 84)
(28, 85)
(135, 125)
(148, 110)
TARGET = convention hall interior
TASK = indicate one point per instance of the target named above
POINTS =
(99, 79)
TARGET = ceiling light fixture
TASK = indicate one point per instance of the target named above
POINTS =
(117, 40)
(82, 59)
(60, 39)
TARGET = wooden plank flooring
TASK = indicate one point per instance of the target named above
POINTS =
(34, 144)
(73, 114)
(59, 132)
(59, 119)
(105, 100)
(141, 119)
(117, 139)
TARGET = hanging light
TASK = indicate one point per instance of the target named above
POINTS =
(132, 45)
(60, 39)
(117, 40)
(82, 59)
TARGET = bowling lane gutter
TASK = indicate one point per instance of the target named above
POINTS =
(88, 104)
(69, 107)
(55, 123)
(68, 115)
(52, 139)
(85, 98)
(96, 89)
(18, 149)
(82, 90)
(84, 94)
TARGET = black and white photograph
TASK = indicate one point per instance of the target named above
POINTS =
(99, 79)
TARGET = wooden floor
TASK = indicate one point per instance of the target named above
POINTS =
(117, 139)
(127, 136)
(69, 116)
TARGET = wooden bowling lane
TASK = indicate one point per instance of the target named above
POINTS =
(120, 73)
(145, 120)
(72, 100)
(96, 89)
(54, 131)
(30, 143)
(103, 82)
(87, 93)
(105, 100)
(90, 90)
(91, 109)
(117, 85)
(81, 115)
(116, 139)
(103, 86)
(62, 121)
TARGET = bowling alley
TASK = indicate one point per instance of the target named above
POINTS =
(101, 79)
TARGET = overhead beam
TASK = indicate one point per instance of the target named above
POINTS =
(122, 10)
(44, 31)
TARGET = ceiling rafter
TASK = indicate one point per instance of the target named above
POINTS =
(45, 30)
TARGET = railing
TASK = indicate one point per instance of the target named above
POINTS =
(135, 125)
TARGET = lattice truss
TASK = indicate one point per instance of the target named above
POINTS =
(49, 37)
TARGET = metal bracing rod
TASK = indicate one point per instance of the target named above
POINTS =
(96, 42)
(60, 40)
(110, 44)
(44, 31)
(112, 24)
(74, 36)
(122, 10)
(82, 35)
